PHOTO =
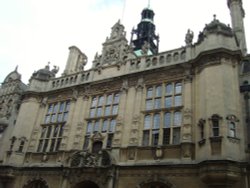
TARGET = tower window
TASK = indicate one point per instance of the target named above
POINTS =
(232, 129)
(215, 119)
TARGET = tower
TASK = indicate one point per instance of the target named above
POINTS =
(146, 42)
(237, 15)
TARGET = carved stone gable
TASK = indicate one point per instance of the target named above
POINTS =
(115, 48)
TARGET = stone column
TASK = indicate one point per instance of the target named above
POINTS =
(135, 126)
(121, 114)
(186, 138)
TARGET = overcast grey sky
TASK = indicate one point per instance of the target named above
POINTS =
(33, 32)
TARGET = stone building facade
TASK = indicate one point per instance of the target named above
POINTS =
(149, 119)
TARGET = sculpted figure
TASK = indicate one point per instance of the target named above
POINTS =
(189, 37)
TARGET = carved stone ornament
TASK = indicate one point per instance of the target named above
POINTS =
(140, 84)
(158, 153)
(97, 137)
(74, 94)
(44, 101)
(124, 87)
(187, 113)
(87, 159)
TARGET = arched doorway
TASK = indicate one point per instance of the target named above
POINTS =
(86, 184)
(36, 184)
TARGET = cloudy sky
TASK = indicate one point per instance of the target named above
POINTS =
(35, 32)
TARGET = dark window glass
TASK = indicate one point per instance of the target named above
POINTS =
(166, 136)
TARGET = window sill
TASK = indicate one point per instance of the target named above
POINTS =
(101, 117)
(54, 123)
(216, 139)
(202, 142)
(163, 109)
(233, 139)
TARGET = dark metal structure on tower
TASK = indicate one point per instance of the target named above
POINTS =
(146, 39)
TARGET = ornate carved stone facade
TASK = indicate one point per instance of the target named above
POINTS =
(167, 120)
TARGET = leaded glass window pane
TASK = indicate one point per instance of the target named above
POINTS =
(169, 89)
(112, 125)
(55, 108)
(157, 103)
(61, 108)
(150, 92)
(107, 110)
(47, 119)
(168, 102)
(147, 122)
(92, 112)
(105, 126)
(115, 109)
(166, 136)
(99, 111)
(60, 117)
(50, 109)
(167, 120)
(116, 99)
(149, 104)
(145, 139)
(89, 127)
(176, 135)
(177, 119)
(178, 88)
(100, 101)
(94, 102)
(109, 99)
(156, 121)
(155, 137)
(96, 127)
(158, 91)
(178, 100)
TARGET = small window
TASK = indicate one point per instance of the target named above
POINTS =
(232, 129)
(215, 128)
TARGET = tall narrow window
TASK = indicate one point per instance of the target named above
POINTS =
(110, 140)
(145, 141)
(176, 135)
(20, 149)
(201, 125)
(147, 122)
(215, 127)
(86, 143)
(232, 129)
(12, 142)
